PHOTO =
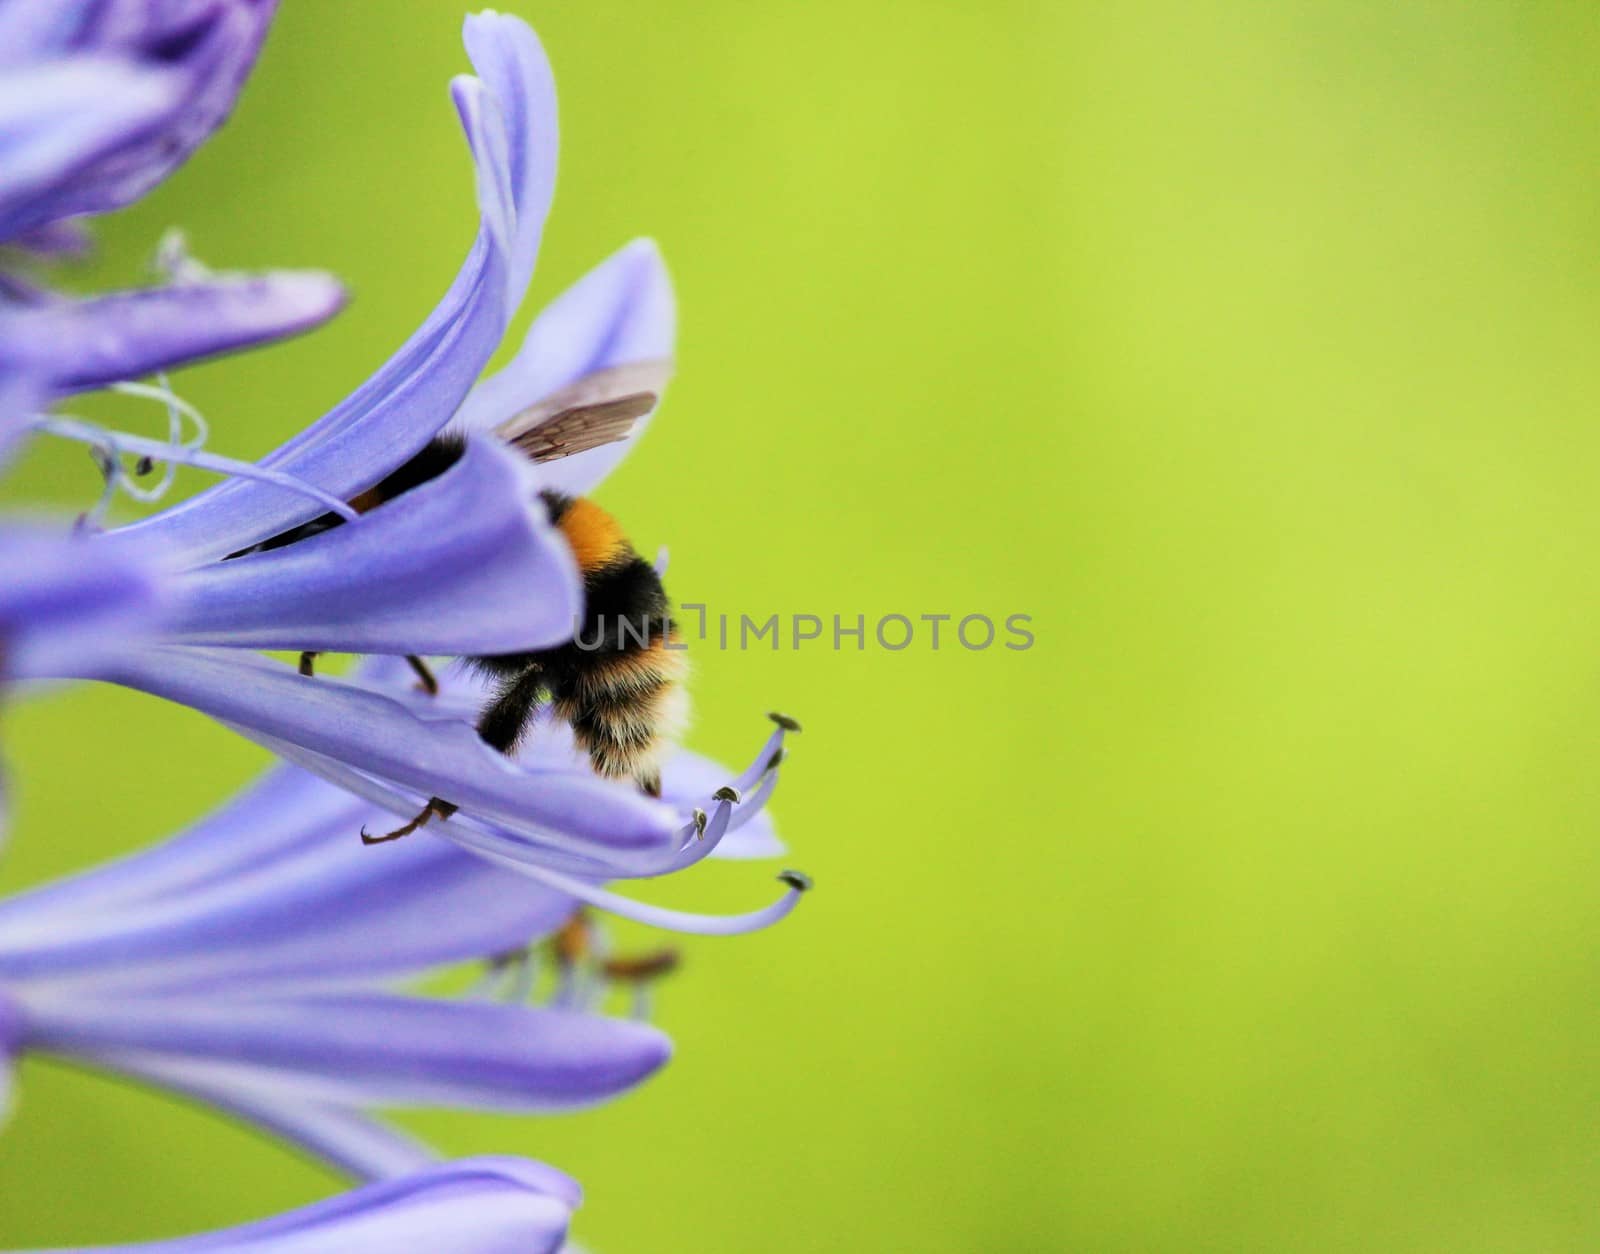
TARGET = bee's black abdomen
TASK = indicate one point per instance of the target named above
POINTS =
(616, 683)
(431, 461)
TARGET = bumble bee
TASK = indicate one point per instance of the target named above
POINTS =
(619, 682)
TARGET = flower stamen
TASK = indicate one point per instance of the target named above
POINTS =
(174, 262)
(585, 967)
(111, 445)
(640, 974)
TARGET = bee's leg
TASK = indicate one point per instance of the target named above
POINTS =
(506, 717)
(308, 663)
(425, 676)
(650, 785)
(435, 806)
(501, 726)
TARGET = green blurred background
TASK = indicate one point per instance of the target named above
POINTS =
(1249, 348)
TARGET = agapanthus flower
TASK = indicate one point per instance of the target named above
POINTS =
(98, 103)
(250, 962)
(465, 564)
(253, 961)
(489, 1205)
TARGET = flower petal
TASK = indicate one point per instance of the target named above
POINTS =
(411, 397)
(577, 882)
(207, 49)
(516, 76)
(688, 780)
(622, 311)
(57, 120)
(430, 758)
(358, 1048)
(19, 395)
(67, 607)
(356, 1143)
(329, 910)
(85, 344)
(472, 1206)
(271, 821)
(66, 238)
(466, 563)
(11, 1030)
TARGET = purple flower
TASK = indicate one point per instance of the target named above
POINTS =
(490, 1205)
(249, 962)
(252, 961)
(99, 101)
(465, 564)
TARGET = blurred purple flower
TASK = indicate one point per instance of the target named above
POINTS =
(247, 961)
(99, 101)
(189, 59)
(490, 1205)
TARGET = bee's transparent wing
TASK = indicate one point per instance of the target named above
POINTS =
(600, 408)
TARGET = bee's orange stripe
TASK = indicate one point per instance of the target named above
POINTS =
(594, 535)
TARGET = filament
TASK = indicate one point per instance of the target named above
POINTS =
(114, 443)
(486, 845)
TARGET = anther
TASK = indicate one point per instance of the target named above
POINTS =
(699, 823)
(784, 721)
(649, 966)
(727, 793)
(797, 880)
(144, 465)
(571, 942)
(776, 759)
